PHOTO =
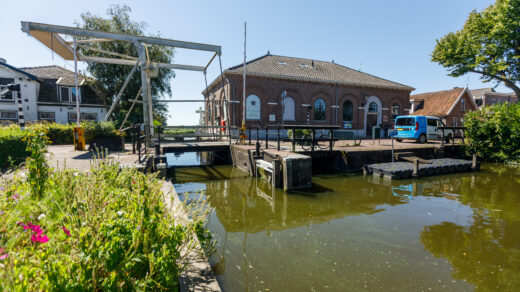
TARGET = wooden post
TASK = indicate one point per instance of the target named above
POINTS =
(475, 166)
(415, 171)
(331, 138)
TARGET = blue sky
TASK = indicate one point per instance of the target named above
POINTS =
(389, 39)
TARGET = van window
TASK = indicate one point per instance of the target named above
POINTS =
(432, 122)
(405, 122)
(440, 123)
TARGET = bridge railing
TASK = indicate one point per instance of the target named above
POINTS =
(445, 136)
(308, 141)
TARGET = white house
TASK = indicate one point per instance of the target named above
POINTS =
(48, 94)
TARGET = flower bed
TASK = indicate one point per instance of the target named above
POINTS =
(108, 229)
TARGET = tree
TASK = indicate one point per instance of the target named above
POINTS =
(488, 44)
(110, 77)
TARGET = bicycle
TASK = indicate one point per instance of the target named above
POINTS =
(305, 141)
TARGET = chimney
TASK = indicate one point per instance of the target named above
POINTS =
(413, 106)
(312, 63)
(3, 60)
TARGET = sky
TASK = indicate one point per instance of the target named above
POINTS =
(389, 39)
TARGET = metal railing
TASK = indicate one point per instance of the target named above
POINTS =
(453, 128)
(310, 140)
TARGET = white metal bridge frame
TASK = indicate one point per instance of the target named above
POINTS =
(49, 35)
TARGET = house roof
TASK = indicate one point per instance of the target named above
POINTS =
(291, 68)
(63, 76)
(29, 75)
(438, 103)
(478, 93)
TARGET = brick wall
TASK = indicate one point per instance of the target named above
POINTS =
(269, 90)
(458, 112)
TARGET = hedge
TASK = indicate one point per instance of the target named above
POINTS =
(494, 132)
(12, 146)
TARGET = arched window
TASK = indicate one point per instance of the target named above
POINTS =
(319, 110)
(288, 109)
(372, 107)
(348, 112)
(253, 107)
(395, 110)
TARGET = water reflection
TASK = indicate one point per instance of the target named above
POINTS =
(455, 232)
(487, 251)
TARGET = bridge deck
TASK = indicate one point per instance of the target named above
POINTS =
(194, 146)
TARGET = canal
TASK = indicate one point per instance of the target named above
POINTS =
(457, 232)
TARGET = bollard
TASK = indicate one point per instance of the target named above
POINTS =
(415, 171)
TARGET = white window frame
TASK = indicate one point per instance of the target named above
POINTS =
(53, 119)
(454, 122)
(69, 93)
(83, 117)
(2, 113)
(463, 105)
(6, 99)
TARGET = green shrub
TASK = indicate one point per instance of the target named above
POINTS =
(493, 133)
(12, 145)
(58, 134)
(106, 230)
(299, 133)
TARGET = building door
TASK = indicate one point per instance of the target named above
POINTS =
(373, 114)
(371, 121)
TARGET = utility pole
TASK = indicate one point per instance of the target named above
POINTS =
(243, 136)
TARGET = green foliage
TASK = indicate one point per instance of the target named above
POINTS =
(122, 234)
(299, 133)
(179, 131)
(488, 44)
(12, 146)
(494, 132)
(36, 163)
(111, 77)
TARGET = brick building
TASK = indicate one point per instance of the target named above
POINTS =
(303, 91)
(450, 105)
(488, 96)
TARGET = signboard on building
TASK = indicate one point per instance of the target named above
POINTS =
(347, 125)
(272, 118)
(385, 118)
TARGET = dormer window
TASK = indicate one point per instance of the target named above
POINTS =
(304, 65)
(281, 62)
(6, 95)
(68, 94)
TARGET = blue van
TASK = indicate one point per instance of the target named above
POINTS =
(420, 128)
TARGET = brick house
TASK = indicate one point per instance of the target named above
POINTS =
(488, 96)
(304, 91)
(450, 105)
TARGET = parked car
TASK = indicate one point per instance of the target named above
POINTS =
(421, 129)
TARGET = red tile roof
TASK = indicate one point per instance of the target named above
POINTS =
(437, 103)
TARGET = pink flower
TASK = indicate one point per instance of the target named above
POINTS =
(65, 230)
(133, 182)
(15, 197)
(39, 238)
(37, 229)
(2, 255)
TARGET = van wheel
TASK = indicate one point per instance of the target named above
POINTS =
(422, 139)
(398, 139)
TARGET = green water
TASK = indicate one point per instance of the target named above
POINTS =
(350, 233)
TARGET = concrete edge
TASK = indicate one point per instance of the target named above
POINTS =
(197, 275)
